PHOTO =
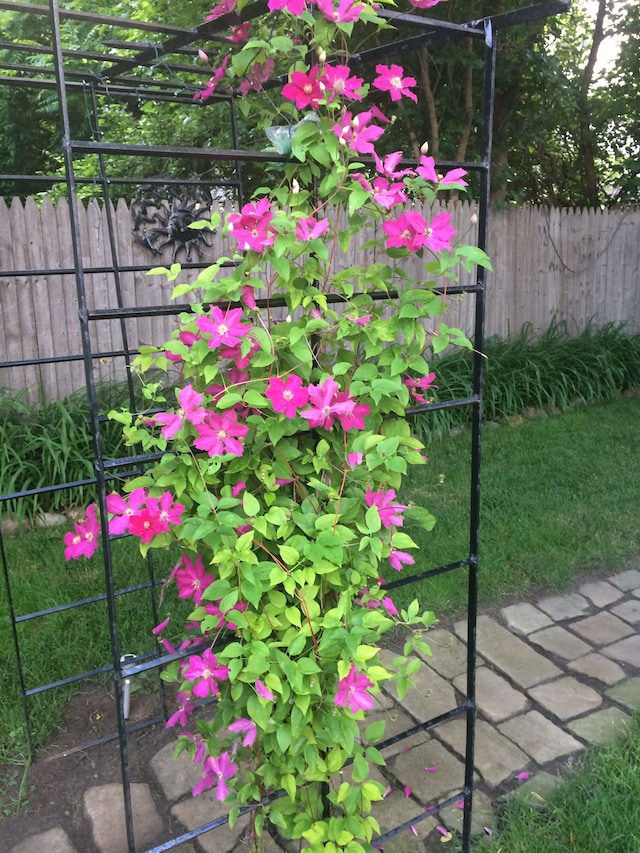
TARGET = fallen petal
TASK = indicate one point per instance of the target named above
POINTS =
(407, 791)
(488, 830)
(522, 776)
(414, 830)
(431, 769)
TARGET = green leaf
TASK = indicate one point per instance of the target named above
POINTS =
(372, 519)
(250, 504)
(420, 516)
(375, 731)
(288, 783)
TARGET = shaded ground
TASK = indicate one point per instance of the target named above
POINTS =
(61, 773)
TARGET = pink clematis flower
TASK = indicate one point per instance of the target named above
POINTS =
(145, 524)
(83, 541)
(425, 4)
(440, 233)
(247, 727)
(263, 691)
(388, 194)
(192, 578)
(388, 510)
(339, 83)
(390, 79)
(223, 328)
(427, 171)
(212, 83)
(294, 7)
(346, 12)
(240, 33)
(287, 396)
(398, 559)
(222, 8)
(304, 89)
(408, 231)
(190, 409)
(206, 672)
(220, 434)
(325, 407)
(311, 228)
(258, 74)
(357, 133)
(422, 384)
(181, 716)
(252, 226)
(354, 459)
(354, 418)
(166, 510)
(125, 509)
(387, 167)
(352, 692)
(217, 769)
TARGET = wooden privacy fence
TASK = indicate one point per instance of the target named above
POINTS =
(578, 266)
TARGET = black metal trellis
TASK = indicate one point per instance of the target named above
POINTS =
(111, 76)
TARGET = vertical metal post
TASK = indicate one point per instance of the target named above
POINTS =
(83, 315)
(476, 424)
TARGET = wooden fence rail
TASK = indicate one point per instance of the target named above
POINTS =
(577, 266)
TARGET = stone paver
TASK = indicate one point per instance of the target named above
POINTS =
(598, 667)
(410, 769)
(626, 581)
(560, 607)
(560, 642)
(195, 812)
(176, 777)
(566, 698)
(394, 810)
(104, 807)
(629, 611)
(496, 757)
(524, 618)
(496, 698)
(539, 737)
(54, 841)
(627, 693)
(602, 629)
(482, 815)
(600, 593)
(512, 656)
(449, 654)
(625, 651)
(603, 727)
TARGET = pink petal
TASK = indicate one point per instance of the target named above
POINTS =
(488, 830)
(431, 769)
(460, 804)
(522, 776)
(407, 791)
(414, 830)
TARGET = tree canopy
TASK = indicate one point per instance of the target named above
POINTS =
(566, 122)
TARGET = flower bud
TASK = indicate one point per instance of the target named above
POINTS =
(424, 148)
(322, 55)
(295, 187)
(202, 56)
(474, 219)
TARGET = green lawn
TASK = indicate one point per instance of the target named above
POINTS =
(560, 495)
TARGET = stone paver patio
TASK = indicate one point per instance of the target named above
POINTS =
(554, 676)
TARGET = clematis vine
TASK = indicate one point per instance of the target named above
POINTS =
(276, 472)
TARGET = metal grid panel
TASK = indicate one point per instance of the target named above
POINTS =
(108, 77)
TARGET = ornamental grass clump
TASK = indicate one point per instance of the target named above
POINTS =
(283, 452)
